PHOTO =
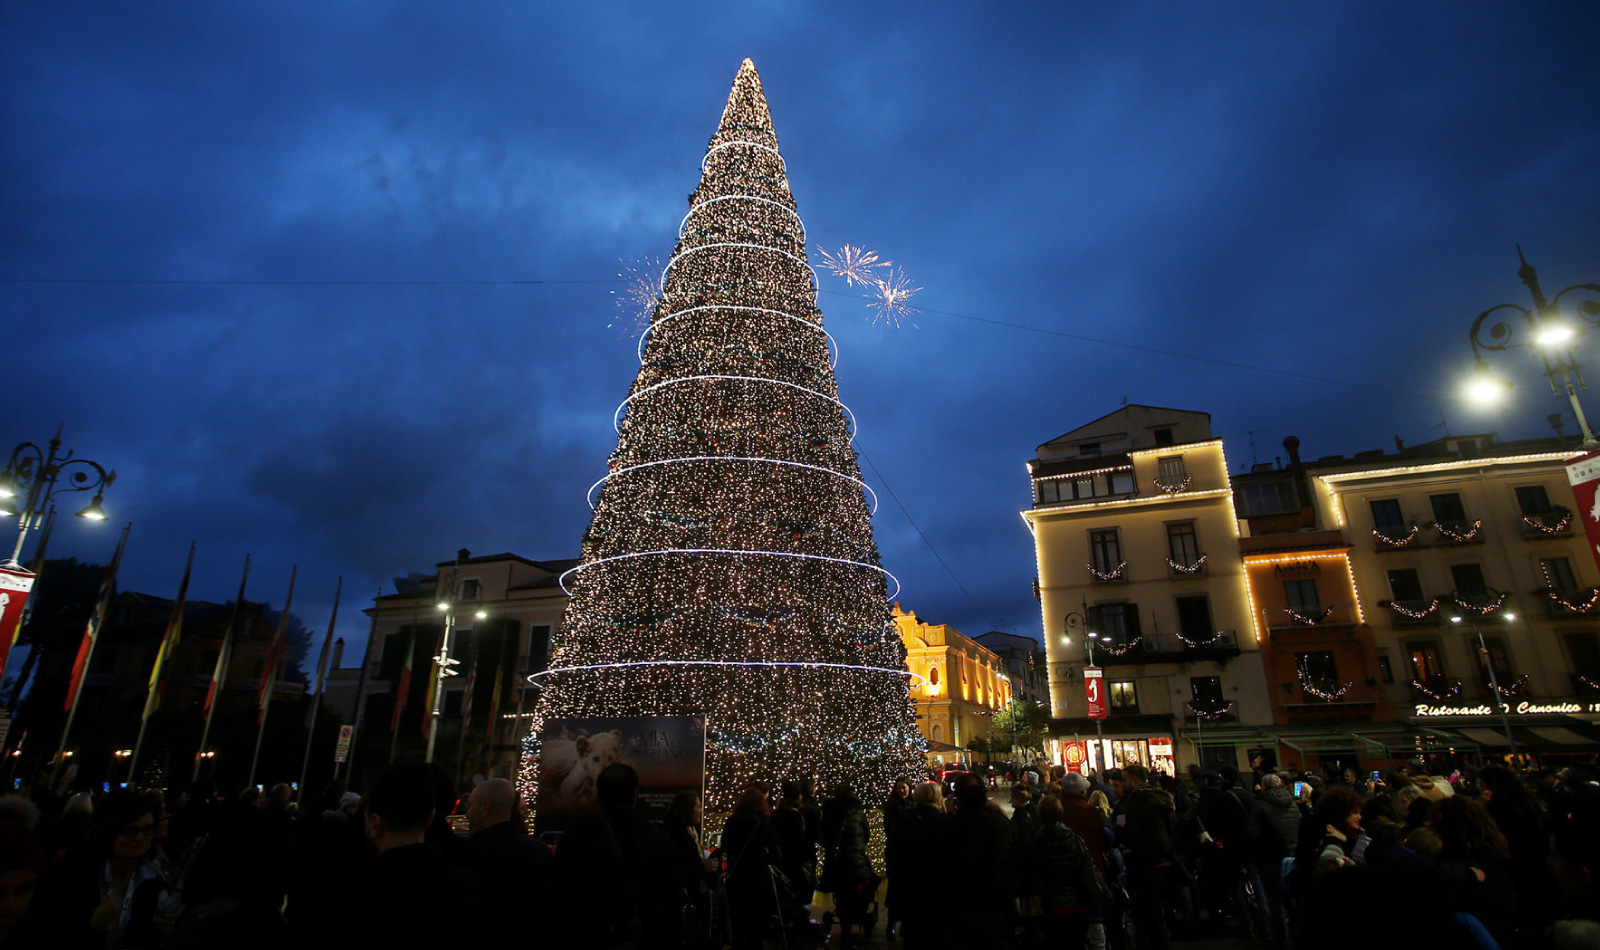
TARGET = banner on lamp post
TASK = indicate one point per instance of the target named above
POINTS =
(15, 584)
(1583, 473)
(1094, 690)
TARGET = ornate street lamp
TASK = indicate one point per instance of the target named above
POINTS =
(33, 476)
(1553, 337)
(1078, 620)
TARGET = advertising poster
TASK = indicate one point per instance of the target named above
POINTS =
(1583, 473)
(1094, 691)
(669, 753)
(1075, 755)
(15, 584)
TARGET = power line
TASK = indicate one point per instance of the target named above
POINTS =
(935, 551)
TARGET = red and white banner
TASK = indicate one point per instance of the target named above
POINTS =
(1094, 690)
(15, 584)
(1583, 473)
(1075, 755)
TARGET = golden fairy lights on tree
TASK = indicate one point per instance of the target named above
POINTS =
(729, 570)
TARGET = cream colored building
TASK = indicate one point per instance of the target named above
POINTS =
(1137, 541)
(957, 685)
(522, 604)
(1468, 527)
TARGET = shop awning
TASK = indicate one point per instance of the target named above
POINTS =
(1391, 740)
(1573, 736)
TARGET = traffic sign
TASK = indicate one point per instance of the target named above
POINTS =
(341, 752)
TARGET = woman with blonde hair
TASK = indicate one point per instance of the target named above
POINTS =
(1098, 799)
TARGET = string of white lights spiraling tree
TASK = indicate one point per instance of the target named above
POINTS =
(729, 570)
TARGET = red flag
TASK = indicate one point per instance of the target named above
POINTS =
(269, 675)
(91, 631)
(169, 643)
(402, 689)
(219, 673)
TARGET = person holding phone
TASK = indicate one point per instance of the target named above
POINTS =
(1275, 819)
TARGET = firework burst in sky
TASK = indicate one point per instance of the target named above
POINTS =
(893, 292)
(641, 291)
(854, 264)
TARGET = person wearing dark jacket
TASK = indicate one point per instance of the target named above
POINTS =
(1145, 824)
(789, 824)
(848, 871)
(751, 847)
(616, 860)
(898, 802)
(515, 867)
(918, 845)
(977, 866)
(1024, 825)
(1063, 869)
(1275, 832)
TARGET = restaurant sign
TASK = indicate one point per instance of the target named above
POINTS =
(1525, 708)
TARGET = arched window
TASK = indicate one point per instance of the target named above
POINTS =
(933, 677)
(938, 732)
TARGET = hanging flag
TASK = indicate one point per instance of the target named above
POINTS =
(219, 673)
(15, 583)
(435, 669)
(402, 689)
(169, 644)
(472, 682)
(91, 630)
(269, 675)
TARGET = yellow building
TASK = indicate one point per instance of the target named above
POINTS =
(957, 685)
(1137, 543)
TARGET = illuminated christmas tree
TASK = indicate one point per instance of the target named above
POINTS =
(729, 570)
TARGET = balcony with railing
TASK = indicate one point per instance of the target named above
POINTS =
(1456, 533)
(1322, 701)
(1311, 622)
(1537, 525)
(1219, 646)
(1572, 604)
(1180, 571)
(1427, 612)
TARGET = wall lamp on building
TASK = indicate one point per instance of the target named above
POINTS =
(1548, 333)
(33, 476)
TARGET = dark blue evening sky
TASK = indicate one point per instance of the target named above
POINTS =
(229, 232)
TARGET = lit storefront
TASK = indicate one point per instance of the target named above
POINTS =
(1075, 746)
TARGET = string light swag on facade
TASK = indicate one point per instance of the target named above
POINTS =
(1516, 687)
(1211, 715)
(1215, 637)
(1190, 569)
(1580, 607)
(1488, 607)
(1310, 618)
(1326, 694)
(1111, 575)
(1588, 682)
(1173, 489)
(1404, 611)
(1129, 647)
(1451, 690)
(1560, 527)
(1397, 542)
(1449, 533)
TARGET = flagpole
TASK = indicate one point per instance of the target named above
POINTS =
(219, 675)
(361, 688)
(269, 676)
(173, 632)
(402, 686)
(91, 634)
(316, 688)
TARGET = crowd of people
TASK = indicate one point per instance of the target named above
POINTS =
(1120, 860)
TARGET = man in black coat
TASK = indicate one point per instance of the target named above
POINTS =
(978, 844)
(515, 866)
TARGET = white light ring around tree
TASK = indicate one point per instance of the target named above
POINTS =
(616, 417)
(754, 247)
(833, 350)
(733, 458)
(732, 142)
(562, 580)
(711, 201)
(916, 678)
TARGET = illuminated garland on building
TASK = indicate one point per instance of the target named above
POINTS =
(1219, 635)
(1330, 694)
(1210, 715)
(1174, 489)
(729, 570)
(1451, 691)
(1537, 521)
(1579, 608)
(1111, 575)
(1483, 609)
(1459, 537)
(1106, 647)
(1588, 682)
(1309, 618)
(1396, 543)
(1428, 611)
(1516, 687)
(1190, 569)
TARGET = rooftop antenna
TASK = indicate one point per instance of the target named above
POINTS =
(1253, 461)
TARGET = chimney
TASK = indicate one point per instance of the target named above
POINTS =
(338, 654)
(1292, 446)
(463, 555)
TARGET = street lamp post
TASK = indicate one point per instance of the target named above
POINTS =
(1079, 620)
(1554, 339)
(32, 477)
(1494, 680)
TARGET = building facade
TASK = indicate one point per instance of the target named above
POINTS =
(502, 612)
(1140, 575)
(957, 686)
(1025, 664)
